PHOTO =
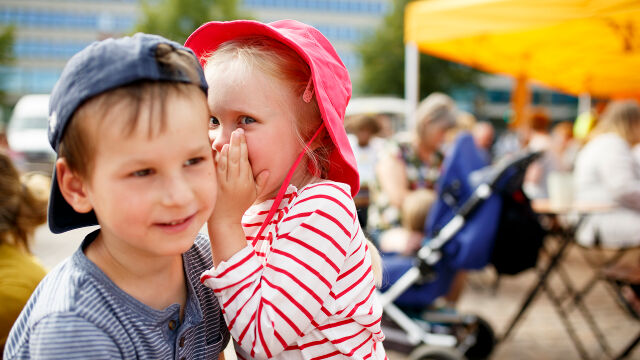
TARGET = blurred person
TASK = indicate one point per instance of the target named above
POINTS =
(607, 172)
(23, 207)
(483, 134)
(407, 238)
(558, 157)
(465, 121)
(410, 163)
(362, 134)
(538, 138)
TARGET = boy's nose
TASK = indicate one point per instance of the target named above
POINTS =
(178, 192)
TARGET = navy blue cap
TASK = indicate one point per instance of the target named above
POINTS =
(100, 67)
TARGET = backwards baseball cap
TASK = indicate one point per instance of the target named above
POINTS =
(100, 67)
(331, 83)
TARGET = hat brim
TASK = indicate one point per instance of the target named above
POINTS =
(61, 216)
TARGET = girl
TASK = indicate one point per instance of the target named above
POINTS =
(294, 274)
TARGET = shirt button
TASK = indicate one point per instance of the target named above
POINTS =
(182, 342)
(183, 358)
(172, 325)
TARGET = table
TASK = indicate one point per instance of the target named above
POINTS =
(565, 231)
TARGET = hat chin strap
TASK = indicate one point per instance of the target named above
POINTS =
(284, 186)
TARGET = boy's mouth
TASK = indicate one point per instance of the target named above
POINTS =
(176, 224)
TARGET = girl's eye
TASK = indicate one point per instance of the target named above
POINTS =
(246, 120)
(142, 173)
(213, 122)
(194, 161)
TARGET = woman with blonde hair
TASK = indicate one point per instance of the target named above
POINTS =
(606, 172)
(23, 207)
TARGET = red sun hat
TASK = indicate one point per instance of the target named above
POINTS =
(332, 86)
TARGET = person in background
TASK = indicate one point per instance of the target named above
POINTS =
(23, 207)
(410, 163)
(483, 134)
(362, 131)
(407, 239)
(607, 172)
(559, 156)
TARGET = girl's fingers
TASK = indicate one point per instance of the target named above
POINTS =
(234, 155)
(245, 166)
(223, 162)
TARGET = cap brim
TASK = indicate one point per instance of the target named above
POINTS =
(61, 216)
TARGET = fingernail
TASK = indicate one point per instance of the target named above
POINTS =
(240, 131)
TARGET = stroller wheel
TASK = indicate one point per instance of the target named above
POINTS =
(431, 352)
(485, 341)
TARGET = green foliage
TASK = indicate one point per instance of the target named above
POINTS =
(383, 62)
(7, 37)
(176, 19)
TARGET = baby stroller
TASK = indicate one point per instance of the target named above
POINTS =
(461, 226)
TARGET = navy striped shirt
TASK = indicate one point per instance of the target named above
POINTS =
(77, 312)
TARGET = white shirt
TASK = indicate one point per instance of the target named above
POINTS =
(305, 288)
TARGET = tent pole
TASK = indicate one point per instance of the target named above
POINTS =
(411, 82)
(520, 101)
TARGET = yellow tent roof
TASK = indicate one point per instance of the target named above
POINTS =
(571, 45)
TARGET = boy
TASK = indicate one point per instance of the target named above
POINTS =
(129, 120)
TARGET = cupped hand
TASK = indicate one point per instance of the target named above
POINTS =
(237, 188)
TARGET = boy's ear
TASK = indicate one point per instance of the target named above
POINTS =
(72, 187)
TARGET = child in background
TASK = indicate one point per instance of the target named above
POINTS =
(128, 119)
(407, 239)
(22, 209)
(293, 272)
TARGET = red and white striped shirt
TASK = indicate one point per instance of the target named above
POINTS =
(305, 289)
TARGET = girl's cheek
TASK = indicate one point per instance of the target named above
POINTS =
(212, 136)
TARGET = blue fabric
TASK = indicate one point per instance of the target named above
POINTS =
(419, 295)
(77, 312)
(471, 247)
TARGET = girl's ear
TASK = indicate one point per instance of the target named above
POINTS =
(72, 187)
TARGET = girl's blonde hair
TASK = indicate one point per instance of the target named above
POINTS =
(279, 61)
(21, 208)
(621, 117)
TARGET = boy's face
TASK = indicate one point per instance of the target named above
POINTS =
(153, 191)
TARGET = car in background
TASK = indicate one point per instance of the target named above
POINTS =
(27, 134)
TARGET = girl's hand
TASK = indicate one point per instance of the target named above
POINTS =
(237, 189)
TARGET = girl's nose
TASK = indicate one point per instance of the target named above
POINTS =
(219, 137)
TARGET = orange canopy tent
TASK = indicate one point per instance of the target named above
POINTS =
(574, 46)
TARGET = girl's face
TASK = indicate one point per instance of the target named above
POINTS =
(264, 107)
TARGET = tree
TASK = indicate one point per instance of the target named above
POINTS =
(176, 19)
(383, 62)
(7, 37)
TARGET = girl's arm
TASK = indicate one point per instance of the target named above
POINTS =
(269, 307)
(237, 190)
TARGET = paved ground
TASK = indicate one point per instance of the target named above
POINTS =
(539, 335)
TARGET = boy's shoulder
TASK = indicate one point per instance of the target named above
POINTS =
(68, 299)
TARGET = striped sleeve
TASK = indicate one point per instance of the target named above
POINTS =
(68, 336)
(268, 307)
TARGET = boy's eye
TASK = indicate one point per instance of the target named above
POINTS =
(193, 161)
(142, 173)
(246, 120)
(213, 122)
